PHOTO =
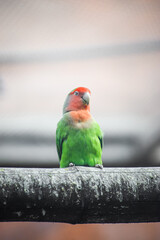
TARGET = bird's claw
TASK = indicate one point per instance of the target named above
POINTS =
(72, 165)
(99, 166)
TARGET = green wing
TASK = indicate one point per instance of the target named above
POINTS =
(99, 133)
(61, 136)
(101, 140)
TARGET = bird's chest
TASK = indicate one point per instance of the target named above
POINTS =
(81, 125)
(80, 119)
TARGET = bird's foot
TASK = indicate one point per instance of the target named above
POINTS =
(99, 166)
(72, 165)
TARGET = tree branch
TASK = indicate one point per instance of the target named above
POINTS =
(80, 195)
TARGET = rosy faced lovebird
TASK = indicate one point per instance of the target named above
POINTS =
(79, 138)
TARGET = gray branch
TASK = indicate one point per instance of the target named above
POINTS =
(80, 195)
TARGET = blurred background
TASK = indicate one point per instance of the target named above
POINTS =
(47, 48)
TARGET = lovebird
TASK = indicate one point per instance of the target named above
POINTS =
(79, 138)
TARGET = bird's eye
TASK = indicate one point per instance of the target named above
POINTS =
(76, 93)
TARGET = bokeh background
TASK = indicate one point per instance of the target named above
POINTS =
(47, 48)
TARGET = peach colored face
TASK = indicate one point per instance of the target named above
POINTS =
(78, 99)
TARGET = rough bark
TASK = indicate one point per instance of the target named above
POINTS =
(80, 195)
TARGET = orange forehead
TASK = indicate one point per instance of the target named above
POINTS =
(80, 89)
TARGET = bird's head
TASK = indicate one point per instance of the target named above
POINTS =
(77, 99)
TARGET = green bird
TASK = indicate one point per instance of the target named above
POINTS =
(79, 138)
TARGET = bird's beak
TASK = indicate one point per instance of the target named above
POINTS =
(86, 98)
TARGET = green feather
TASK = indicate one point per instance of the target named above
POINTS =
(79, 143)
